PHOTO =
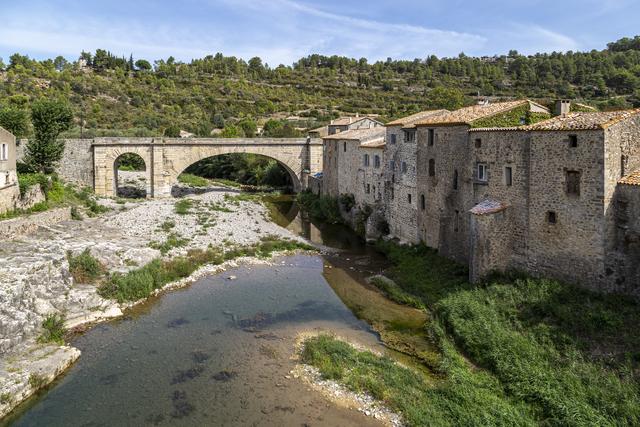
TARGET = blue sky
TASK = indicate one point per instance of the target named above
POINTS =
(281, 31)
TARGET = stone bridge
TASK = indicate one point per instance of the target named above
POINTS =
(166, 158)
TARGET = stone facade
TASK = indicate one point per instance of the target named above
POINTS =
(558, 198)
(400, 176)
(355, 165)
(9, 189)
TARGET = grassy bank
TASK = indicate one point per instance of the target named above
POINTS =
(322, 208)
(141, 282)
(569, 354)
(512, 351)
(57, 194)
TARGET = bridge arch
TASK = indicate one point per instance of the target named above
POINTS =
(167, 158)
(295, 178)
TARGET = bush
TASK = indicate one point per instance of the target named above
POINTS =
(54, 330)
(323, 208)
(84, 268)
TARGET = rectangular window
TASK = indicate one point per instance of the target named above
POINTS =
(392, 165)
(456, 221)
(404, 167)
(482, 174)
(4, 153)
(393, 138)
(366, 160)
(376, 161)
(478, 143)
(368, 188)
(573, 141)
(432, 167)
(573, 183)
(409, 198)
(508, 176)
(430, 136)
(344, 146)
(551, 217)
(409, 135)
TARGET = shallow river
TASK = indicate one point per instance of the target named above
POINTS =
(220, 351)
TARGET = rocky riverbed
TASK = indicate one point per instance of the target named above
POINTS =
(35, 279)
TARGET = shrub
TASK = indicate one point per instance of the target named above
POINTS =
(37, 381)
(84, 268)
(54, 330)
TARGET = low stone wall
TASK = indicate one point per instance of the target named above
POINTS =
(12, 228)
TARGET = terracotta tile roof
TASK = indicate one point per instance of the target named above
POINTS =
(344, 121)
(374, 143)
(632, 179)
(467, 115)
(414, 118)
(488, 207)
(584, 121)
(362, 135)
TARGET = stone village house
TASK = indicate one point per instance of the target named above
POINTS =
(505, 187)
(9, 189)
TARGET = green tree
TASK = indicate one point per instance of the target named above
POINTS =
(15, 120)
(172, 131)
(143, 64)
(231, 131)
(249, 127)
(448, 98)
(50, 117)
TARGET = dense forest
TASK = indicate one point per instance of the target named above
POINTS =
(113, 95)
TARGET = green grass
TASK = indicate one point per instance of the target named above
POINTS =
(167, 225)
(567, 355)
(183, 206)
(84, 267)
(395, 293)
(173, 241)
(227, 182)
(141, 282)
(408, 393)
(193, 180)
(37, 381)
(54, 330)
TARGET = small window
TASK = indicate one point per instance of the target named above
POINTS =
(393, 138)
(393, 193)
(482, 172)
(624, 165)
(376, 161)
(456, 221)
(478, 143)
(573, 183)
(455, 179)
(366, 160)
(423, 204)
(432, 167)
(508, 176)
(431, 136)
(551, 217)
(4, 153)
(344, 146)
(409, 198)
(368, 190)
(409, 135)
(404, 167)
(573, 141)
(392, 165)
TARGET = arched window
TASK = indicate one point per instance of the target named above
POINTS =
(432, 167)
(455, 179)
(423, 203)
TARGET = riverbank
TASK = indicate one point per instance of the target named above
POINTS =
(38, 283)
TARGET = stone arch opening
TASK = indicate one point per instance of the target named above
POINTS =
(130, 176)
(249, 169)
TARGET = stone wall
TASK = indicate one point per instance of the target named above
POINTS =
(76, 165)
(400, 186)
(572, 248)
(498, 150)
(623, 250)
(9, 191)
(443, 224)
(15, 227)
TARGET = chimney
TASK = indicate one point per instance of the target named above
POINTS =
(563, 106)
